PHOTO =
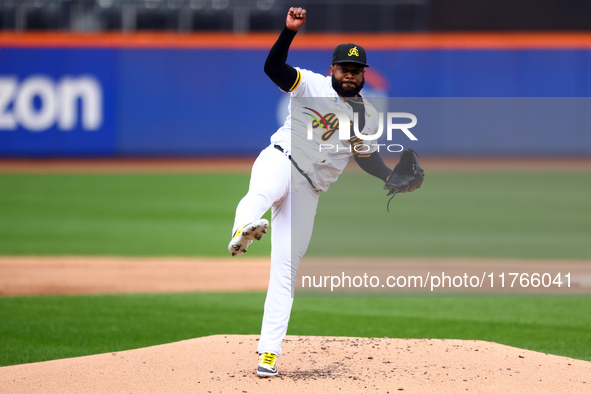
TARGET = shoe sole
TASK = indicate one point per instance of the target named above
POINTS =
(266, 374)
(251, 232)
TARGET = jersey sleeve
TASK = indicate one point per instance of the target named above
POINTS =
(297, 81)
(308, 84)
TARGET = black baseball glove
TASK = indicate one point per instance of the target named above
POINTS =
(406, 177)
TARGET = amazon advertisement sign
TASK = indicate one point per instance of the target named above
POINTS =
(53, 104)
(166, 102)
(39, 103)
(106, 102)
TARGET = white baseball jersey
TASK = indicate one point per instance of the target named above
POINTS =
(322, 156)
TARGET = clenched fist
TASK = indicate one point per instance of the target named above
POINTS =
(296, 18)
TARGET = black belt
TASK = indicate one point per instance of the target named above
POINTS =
(280, 149)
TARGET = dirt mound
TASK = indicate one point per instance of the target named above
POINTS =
(226, 364)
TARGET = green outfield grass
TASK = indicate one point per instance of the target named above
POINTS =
(459, 215)
(123, 215)
(43, 328)
(453, 215)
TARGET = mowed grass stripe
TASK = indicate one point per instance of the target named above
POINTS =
(459, 215)
(118, 214)
(44, 328)
(453, 215)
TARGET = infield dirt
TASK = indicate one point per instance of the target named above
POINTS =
(226, 364)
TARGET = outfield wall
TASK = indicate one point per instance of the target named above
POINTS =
(207, 95)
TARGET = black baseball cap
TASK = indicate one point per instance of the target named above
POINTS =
(349, 53)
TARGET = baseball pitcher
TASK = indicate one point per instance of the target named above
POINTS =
(290, 173)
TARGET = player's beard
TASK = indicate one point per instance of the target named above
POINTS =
(338, 87)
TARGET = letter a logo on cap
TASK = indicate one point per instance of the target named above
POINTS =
(349, 53)
(353, 52)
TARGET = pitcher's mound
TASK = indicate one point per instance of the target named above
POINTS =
(226, 364)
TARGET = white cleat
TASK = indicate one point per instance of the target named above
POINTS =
(243, 237)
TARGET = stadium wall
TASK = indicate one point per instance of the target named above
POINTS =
(207, 95)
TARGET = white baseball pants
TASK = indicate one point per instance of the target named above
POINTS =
(275, 184)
